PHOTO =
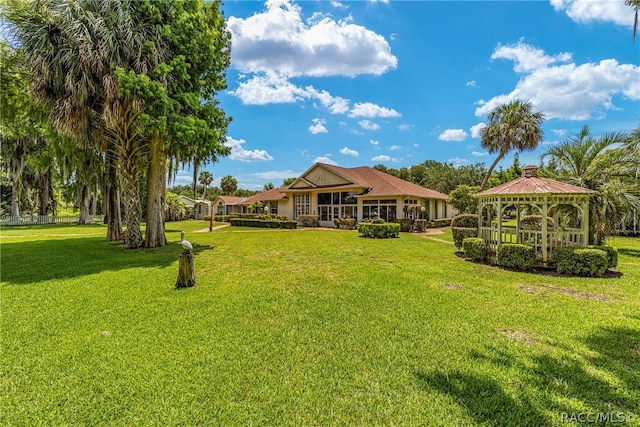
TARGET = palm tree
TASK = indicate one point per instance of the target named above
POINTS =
(511, 126)
(635, 4)
(593, 163)
(74, 50)
(205, 179)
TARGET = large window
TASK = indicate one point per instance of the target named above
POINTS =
(301, 204)
(273, 208)
(385, 209)
(338, 205)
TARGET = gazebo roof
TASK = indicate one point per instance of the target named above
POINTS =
(530, 183)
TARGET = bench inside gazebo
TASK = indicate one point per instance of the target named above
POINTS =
(563, 211)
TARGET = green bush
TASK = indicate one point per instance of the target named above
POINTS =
(405, 224)
(379, 231)
(465, 221)
(347, 223)
(440, 222)
(308, 220)
(516, 256)
(580, 261)
(262, 223)
(460, 233)
(475, 248)
(612, 254)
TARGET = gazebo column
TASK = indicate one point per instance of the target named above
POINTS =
(544, 230)
(499, 219)
(518, 236)
(585, 222)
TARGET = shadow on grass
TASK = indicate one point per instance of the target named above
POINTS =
(483, 398)
(629, 252)
(40, 260)
(605, 379)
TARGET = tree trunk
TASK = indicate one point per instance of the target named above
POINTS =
(15, 211)
(45, 195)
(155, 236)
(132, 213)
(113, 217)
(186, 270)
(491, 168)
(84, 205)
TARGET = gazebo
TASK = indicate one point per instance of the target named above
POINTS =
(563, 210)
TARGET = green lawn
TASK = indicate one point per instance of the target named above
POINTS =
(305, 327)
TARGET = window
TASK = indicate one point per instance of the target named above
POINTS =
(301, 204)
(273, 208)
(348, 198)
(385, 209)
(324, 198)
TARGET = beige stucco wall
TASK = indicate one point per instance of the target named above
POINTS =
(323, 177)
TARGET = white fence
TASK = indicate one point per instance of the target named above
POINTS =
(7, 220)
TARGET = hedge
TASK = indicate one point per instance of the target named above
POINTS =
(227, 218)
(464, 226)
(262, 223)
(516, 256)
(405, 224)
(612, 254)
(440, 222)
(379, 231)
(534, 222)
(308, 220)
(580, 261)
(475, 248)
(345, 223)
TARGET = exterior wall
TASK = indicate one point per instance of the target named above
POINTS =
(200, 210)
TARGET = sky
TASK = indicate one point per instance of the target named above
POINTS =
(399, 82)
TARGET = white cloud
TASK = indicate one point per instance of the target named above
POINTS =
(457, 161)
(337, 4)
(318, 126)
(584, 11)
(349, 152)
(571, 91)
(374, 142)
(269, 88)
(479, 153)
(272, 175)
(335, 104)
(239, 153)
(370, 110)
(527, 58)
(453, 135)
(476, 130)
(368, 125)
(404, 127)
(381, 158)
(326, 160)
(279, 40)
(560, 132)
(395, 147)
(471, 83)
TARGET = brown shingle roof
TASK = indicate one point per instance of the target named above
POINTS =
(231, 200)
(383, 184)
(269, 195)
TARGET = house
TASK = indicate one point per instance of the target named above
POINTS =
(202, 209)
(335, 192)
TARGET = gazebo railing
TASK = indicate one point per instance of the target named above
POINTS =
(556, 238)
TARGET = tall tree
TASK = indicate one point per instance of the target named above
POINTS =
(205, 178)
(511, 126)
(593, 163)
(228, 185)
(635, 4)
(74, 49)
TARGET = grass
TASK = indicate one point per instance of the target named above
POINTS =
(305, 327)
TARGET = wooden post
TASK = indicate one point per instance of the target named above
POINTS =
(186, 270)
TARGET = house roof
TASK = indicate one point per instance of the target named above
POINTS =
(531, 183)
(383, 184)
(269, 195)
(231, 200)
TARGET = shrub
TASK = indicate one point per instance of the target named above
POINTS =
(379, 231)
(405, 224)
(516, 256)
(465, 221)
(459, 234)
(440, 222)
(262, 223)
(308, 220)
(464, 226)
(347, 223)
(580, 261)
(475, 248)
(612, 254)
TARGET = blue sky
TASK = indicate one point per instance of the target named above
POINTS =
(397, 83)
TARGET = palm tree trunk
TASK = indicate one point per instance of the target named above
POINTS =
(113, 217)
(84, 205)
(155, 236)
(491, 168)
(15, 210)
(132, 213)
